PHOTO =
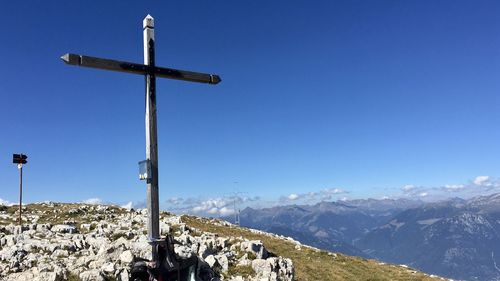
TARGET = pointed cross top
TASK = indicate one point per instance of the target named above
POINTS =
(71, 59)
(148, 22)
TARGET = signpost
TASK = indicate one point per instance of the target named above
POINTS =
(20, 159)
(149, 167)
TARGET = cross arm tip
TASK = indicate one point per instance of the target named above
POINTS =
(215, 79)
(65, 57)
(71, 59)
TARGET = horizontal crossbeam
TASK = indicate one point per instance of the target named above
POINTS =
(142, 69)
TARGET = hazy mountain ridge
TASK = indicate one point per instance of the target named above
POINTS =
(328, 225)
(456, 238)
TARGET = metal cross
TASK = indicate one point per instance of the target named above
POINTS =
(150, 71)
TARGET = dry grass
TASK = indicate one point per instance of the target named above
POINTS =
(58, 213)
(244, 271)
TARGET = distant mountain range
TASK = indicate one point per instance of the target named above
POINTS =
(456, 238)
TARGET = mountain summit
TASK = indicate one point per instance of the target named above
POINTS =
(95, 242)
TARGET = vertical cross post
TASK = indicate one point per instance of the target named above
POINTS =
(151, 136)
(20, 197)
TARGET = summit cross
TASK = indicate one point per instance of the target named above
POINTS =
(150, 71)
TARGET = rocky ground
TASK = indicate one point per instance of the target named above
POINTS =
(98, 242)
(92, 242)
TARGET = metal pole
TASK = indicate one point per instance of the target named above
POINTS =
(20, 197)
(151, 136)
(235, 214)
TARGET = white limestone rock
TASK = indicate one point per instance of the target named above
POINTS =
(244, 261)
(64, 228)
(108, 267)
(53, 251)
(223, 261)
(91, 275)
(274, 269)
(183, 251)
(256, 247)
(127, 257)
(124, 275)
(213, 263)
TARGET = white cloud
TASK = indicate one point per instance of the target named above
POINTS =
(224, 206)
(454, 187)
(5, 202)
(487, 183)
(480, 185)
(175, 200)
(480, 180)
(93, 201)
(213, 211)
(225, 211)
(336, 191)
(128, 206)
(312, 197)
(408, 187)
(333, 191)
(212, 206)
(411, 190)
(328, 194)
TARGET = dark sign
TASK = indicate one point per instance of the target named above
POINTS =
(19, 159)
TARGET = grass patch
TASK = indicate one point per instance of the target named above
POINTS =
(117, 236)
(57, 213)
(251, 255)
(175, 229)
(242, 270)
(73, 277)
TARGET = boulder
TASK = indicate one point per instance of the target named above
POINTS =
(223, 261)
(123, 275)
(184, 252)
(127, 257)
(108, 267)
(244, 261)
(213, 263)
(274, 269)
(256, 247)
(48, 276)
(91, 275)
(60, 253)
(64, 228)
(204, 251)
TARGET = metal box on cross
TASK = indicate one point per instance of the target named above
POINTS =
(145, 170)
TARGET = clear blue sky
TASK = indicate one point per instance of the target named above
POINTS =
(364, 96)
